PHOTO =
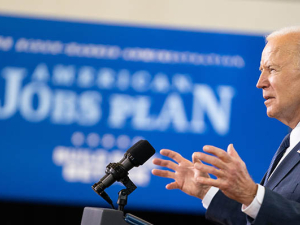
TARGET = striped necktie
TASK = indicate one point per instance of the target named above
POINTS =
(278, 155)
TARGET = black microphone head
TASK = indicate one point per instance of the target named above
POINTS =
(140, 152)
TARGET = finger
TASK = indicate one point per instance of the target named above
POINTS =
(232, 152)
(165, 163)
(208, 181)
(220, 153)
(172, 186)
(209, 169)
(163, 173)
(210, 159)
(173, 155)
(195, 158)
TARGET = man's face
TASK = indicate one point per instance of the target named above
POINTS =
(280, 80)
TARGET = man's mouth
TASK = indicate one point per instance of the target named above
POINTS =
(268, 98)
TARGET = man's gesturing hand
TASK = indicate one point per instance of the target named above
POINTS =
(233, 178)
(185, 175)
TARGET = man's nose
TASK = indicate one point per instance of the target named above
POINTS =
(263, 80)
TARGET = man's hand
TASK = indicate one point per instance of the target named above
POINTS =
(185, 175)
(233, 178)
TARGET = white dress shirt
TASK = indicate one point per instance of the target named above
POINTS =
(253, 209)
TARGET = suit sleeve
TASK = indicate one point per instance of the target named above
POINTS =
(276, 209)
(225, 211)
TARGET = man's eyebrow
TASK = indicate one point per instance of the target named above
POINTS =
(268, 66)
(263, 65)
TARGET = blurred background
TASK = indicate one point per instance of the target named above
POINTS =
(81, 82)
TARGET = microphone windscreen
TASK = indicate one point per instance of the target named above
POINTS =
(140, 152)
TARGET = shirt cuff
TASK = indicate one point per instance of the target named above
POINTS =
(253, 209)
(209, 196)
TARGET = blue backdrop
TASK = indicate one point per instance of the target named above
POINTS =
(75, 96)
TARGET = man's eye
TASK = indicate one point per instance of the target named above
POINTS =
(271, 69)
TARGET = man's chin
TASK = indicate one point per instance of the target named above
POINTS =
(270, 113)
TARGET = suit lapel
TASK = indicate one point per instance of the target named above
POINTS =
(290, 161)
(262, 182)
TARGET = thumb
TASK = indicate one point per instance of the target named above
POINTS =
(232, 152)
(173, 185)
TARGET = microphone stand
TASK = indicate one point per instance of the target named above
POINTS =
(98, 216)
(123, 194)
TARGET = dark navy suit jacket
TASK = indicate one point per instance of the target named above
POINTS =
(281, 204)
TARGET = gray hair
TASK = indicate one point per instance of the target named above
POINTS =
(295, 30)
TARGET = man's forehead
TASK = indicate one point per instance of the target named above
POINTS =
(277, 50)
(269, 54)
(282, 45)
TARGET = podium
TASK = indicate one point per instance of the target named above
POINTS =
(101, 216)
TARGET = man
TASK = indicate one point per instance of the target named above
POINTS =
(233, 197)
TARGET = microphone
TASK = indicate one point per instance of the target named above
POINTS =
(135, 156)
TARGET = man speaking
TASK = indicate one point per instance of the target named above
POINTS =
(233, 197)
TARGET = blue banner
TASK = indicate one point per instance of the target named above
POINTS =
(75, 96)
